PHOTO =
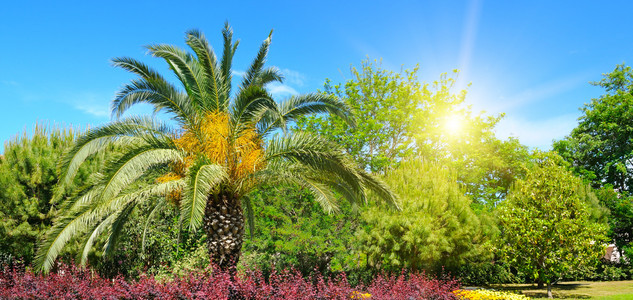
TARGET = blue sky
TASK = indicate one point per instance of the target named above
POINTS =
(532, 60)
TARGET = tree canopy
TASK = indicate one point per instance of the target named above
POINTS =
(601, 146)
(436, 227)
(28, 175)
(547, 223)
(398, 117)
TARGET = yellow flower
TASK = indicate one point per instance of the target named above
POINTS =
(359, 295)
(487, 295)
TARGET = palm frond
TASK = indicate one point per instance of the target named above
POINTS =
(63, 229)
(258, 63)
(152, 88)
(208, 61)
(380, 188)
(269, 75)
(322, 194)
(315, 152)
(89, 242)
(157, 207)
(186, 68)
(297, 106)
(82, 217)
(202, 179)
(250, 105)
(117, 225)
(128, 131)
(250, 215)
(287, 172)
(133, 165)
(227, 59)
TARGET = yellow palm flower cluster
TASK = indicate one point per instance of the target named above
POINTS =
(488, 295)
(241, 153)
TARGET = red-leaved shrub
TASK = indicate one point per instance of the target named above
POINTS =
(70, 282)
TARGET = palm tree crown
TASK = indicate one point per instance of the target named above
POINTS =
(224, 144)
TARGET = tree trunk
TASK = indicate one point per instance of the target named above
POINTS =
(224, 226)
(549, 290)
(540, 283)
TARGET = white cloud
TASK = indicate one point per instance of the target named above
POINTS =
(238, 73)
(278, 89)
(293, 77)
(539, 133)
(90, 103)
(97, 110)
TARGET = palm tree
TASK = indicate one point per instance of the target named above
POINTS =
(219, 147)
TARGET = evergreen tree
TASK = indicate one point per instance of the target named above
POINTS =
(436, 227)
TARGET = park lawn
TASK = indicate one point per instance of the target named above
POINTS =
(608, 290)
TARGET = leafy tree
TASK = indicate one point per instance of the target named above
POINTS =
(620, 218)
(399, 117)
(600, 147)
(383, 103)
(28, 174)
(224, 146)
(436, 227)
(547, 224)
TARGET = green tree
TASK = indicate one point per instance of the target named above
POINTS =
(620, 218)
(383, 103)
(398, 117)
(28, 174)
(600, 147)
(547, 225)
(436, 227)
(224, 146)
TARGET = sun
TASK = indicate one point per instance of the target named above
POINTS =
(453, 125)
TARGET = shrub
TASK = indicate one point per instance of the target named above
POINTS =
(485, 274)
(70, 282)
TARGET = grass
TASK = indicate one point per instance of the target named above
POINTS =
(610, 290)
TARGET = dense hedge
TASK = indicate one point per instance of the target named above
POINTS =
(70, 282)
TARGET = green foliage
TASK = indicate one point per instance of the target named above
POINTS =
(224, 145)
(28, 174)
(600, 150)
(397, 117)
(487, 273)
(600, 147)
(547, 224)
(487, 167)
(157, 247)
(436, 227)
(383, 103)
(291, 231)
(620, 219)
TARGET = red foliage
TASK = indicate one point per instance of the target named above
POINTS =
(70, 282)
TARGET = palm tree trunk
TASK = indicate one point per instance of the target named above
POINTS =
(224, 226)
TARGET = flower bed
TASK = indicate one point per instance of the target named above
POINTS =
(70, 282)
(487, 295)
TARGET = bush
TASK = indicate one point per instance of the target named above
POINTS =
(485, 274)
(603, 271)
(70, 282)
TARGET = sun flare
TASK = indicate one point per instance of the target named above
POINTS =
(453, 125)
